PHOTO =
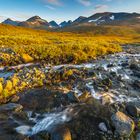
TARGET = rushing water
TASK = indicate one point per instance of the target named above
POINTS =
(112, 63)
(48, 121)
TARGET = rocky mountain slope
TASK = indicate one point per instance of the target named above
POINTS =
(35, 22)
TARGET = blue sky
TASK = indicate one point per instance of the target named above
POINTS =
(61, 10)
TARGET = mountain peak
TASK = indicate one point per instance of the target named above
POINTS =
(53, 24)
(34, 18)
(10, 22)
(79, 19)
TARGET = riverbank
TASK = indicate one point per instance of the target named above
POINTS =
(70, 101)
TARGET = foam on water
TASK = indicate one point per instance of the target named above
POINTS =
(49, 121)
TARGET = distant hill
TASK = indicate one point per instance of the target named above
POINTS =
(98, 19)
(10, 22)
(65, 24)
(35, 22)
(53, 24)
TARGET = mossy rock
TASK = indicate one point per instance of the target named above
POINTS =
(84, 96)
(27, 58)
(2, 80)
(1, 87)
(5, 93)
(8, 85)
(15, 81)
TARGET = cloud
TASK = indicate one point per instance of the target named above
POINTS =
(107, 0)
(53, 2)
(85, 2)
(2, 18)
(101, 8)
(50, 7)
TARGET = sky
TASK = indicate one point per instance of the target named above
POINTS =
(60, 10)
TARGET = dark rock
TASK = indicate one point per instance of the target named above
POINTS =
(124, 125)
(136, 84)
(10, 107)
(110, 65)
(15, 98)
(133, 109)
(134, 67)
(72, 97)
(41, 136)
(61, 133)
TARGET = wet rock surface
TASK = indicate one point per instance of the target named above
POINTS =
(93, 101)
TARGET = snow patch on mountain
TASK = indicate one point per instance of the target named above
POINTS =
(95, 20)
(112, 17)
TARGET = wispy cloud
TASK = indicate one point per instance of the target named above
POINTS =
(49, 7)
(53, 2)
(2, 18)
(101, 8)
(85, 2)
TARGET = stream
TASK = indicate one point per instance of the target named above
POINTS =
(123, 70)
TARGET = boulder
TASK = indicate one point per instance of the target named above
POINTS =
(1, 88)
(15, 98)
(102, 127)
(106, 99)
(10, 107)
(61, 133)
(27, 58)
(133, 109)
(123, 124)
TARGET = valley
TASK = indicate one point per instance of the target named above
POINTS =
(77, 80)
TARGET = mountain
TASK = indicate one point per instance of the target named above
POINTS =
(65, 23)
(79, 19)
(98, 19)
(35, 22)
(102, 23)
(53, 24)
(112, 18)
(10, 22)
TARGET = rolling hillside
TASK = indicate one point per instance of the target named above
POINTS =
(60, 47)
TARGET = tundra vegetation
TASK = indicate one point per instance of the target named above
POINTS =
(25, 45)
(40, 87)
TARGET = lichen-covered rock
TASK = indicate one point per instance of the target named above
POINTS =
(106, 99)
(8, 85)
(1, 87)
(123, 124)
(84, 96)
(27, 58)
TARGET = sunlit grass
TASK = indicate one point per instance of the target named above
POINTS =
(60, 47)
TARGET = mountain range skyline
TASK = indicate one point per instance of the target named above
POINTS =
(105, 18)
(55, 22)
(63, 10)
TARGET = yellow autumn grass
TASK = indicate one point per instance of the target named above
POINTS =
(61, 47)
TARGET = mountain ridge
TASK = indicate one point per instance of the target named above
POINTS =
(105, 18)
